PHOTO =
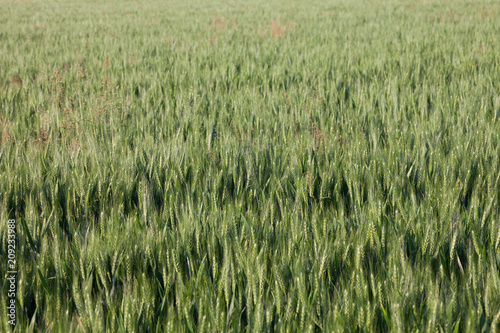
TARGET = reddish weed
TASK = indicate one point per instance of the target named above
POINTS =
(5, 130)
(277, 30)
(240, 134)
(42, 136)
(219, 24)
(15, 81)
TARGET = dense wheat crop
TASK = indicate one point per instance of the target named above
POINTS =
(259, 166)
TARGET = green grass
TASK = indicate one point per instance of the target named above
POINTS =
(273, 166)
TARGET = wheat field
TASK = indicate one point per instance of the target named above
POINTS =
(287, 166)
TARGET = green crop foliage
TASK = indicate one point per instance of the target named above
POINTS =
(288, 166)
